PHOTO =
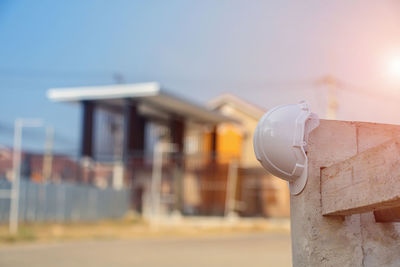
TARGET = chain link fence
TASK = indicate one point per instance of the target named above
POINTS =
(201, 184)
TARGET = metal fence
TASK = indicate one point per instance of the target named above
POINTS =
(65, 202)
(192, 184)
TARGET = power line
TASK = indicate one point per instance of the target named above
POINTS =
(52, 73)
(118, 77)
(345, 86)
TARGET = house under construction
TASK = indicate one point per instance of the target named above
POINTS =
(202, 170)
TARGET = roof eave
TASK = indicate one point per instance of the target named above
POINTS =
(78, 94)
(142, 90)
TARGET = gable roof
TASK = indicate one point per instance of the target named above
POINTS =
(246, 107)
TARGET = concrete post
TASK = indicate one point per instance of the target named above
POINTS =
(353, 240)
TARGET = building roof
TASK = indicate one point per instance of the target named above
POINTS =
(149, 93)
(246, 107)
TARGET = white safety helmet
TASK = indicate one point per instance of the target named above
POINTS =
(280, 141)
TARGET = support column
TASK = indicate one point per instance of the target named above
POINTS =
(214, 140)
(177, 133)
(177, 126)
(87, 129)
(134, 132)
(87, 140)
(133, 149)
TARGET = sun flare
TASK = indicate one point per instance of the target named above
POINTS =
(394, 68)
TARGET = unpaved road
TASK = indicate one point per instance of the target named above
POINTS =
(241, 250)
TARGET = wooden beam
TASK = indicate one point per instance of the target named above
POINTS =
(369, 181)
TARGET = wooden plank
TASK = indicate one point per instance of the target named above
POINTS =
(366, 182)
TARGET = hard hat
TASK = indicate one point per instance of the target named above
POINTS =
(280, 141)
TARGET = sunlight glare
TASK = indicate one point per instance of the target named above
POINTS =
(394, 68)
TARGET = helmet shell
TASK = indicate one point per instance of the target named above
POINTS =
(280, 140)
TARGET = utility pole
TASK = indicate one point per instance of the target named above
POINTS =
(14, 203)
(332, 85)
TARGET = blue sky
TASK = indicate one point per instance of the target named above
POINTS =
(268, 52)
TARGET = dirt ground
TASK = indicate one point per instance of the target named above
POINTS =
(233, 250)
(132, 242)
(133, 228)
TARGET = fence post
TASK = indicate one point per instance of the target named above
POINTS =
(14, 201)
(230, 201)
